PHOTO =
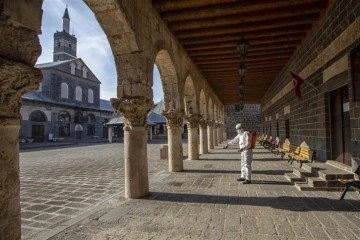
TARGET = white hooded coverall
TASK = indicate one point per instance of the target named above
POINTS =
(244, 140)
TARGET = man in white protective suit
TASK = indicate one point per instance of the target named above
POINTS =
(246, 153)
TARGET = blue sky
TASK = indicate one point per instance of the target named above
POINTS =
(92, 44)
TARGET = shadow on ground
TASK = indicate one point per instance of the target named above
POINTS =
(210, 171)
(285, 202)
(271, 172)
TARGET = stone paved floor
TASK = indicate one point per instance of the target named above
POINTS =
(76, 194)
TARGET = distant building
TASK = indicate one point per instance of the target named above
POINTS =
(67, 104)
(156, 124)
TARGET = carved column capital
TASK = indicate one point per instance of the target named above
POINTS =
(16, 79)
(135, 111)
(193, 120)
(203, 123)
(174, 117)
(211, 123)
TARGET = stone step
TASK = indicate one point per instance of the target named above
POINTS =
(318, 177)
(293, 178)
(327, 172)
(303, 173)
(333, 176)
(319, 182)
(339, 165)
(308, 187)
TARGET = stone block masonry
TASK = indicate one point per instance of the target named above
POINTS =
(250, 116)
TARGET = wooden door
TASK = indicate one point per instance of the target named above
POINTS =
(340, 125)
(38, 133)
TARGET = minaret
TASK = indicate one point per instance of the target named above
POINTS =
(64, 43)
(66, 21)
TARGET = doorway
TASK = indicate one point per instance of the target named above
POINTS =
(340, 125)
(38, 133)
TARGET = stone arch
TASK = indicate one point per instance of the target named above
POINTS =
(116, 25)
(221, 115)
(202, 103)
(190, 96)
(215, 112)
(64, 116)
(133, 68)
(210, 109)
(38, 116)
(169, 79)
(91, 118)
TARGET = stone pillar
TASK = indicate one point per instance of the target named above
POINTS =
(203, 137)
(215, 129)
(110, 138)
(193, 136)
(210, 135)
(219, 133)
(174, 119)
(19, 50)
(15, 80)
(135, 113)
(150, 132)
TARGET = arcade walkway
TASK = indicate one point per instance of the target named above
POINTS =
(78, 196)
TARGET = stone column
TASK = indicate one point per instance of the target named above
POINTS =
(110, 138)
(135, 112)
(203, 137)
(15, 80)
(210, 135)
(219, 133)
(174, 119)
(19, 50)
(150, 132)
(215, 129)
(193, 136)
(225, 133)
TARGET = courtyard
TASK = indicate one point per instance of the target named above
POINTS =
(77, 193)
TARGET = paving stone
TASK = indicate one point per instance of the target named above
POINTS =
(37, 224)
(43, 217)
(203, 202)
(29, 214)
(37, 207)
(68, 211)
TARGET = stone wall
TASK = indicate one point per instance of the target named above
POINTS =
(323, 62)
(52, 124)
(250, 116)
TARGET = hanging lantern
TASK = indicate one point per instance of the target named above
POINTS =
(243, 46)
(242, 70)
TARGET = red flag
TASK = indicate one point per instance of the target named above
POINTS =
(298, 81)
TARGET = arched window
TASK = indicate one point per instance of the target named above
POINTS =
(90, 96)
(64, 117)
(73, 66)
(78, 93)
(84, 71)
(37, 116)
(64, 91)
(91, 118)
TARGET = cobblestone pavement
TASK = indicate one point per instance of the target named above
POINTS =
(202, 202)
(60, 184)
